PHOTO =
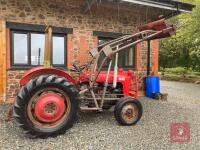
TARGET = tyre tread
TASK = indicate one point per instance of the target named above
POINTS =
(21, 101)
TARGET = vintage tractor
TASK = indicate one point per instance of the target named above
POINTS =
(49, 98)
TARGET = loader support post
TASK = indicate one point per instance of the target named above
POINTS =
(106, 84)
(115, 71)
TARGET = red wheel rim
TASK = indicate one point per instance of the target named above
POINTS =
(49, 108)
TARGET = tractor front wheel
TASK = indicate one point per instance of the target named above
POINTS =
(46, 106)
(128, 111)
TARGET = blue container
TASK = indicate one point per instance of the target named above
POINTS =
(152, 85)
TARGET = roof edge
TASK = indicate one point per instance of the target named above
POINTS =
(165, 4)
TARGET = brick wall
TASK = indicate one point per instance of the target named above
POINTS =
(13, 78)
(68, 13)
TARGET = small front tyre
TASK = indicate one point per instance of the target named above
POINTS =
(128, 111)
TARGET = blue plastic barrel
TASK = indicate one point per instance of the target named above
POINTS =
(152, 85)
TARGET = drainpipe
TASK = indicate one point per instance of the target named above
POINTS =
(149, 58)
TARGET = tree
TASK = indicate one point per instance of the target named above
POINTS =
(183, 49)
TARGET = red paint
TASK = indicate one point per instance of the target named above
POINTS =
(42, 103)
(156, 25)
(37, 71)
(127, 79)
(159, 25)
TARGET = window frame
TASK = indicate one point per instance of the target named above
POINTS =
(29, 65)
(125, 67)
(12, 49)
(38, 29)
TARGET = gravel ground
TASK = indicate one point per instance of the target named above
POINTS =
(100, 131)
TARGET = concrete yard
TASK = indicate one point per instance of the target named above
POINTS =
(100, 131)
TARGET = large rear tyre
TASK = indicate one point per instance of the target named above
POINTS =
(128, 111)
(46, 107)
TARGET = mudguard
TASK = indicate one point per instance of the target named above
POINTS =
(37, 71)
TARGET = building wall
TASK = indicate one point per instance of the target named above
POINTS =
(68, 14)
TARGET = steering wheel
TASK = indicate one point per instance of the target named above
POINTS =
(78, 69)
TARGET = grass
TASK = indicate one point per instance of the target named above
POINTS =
(188, 77)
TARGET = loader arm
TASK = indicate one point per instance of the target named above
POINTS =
(154, 30)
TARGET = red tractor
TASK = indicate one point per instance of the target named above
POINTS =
(49, 98)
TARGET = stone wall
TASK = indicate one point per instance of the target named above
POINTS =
(67, 13)
(13, 78)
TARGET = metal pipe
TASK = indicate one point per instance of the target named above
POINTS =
(106, 84)
(124, 38)
(90, 109)
(94, 98)
(105, 99)
(148, 37)
(39, 55)
(115, 71)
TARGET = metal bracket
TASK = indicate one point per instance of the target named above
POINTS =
(107, 50)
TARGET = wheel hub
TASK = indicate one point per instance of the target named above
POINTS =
(130, 113)
(49, 108)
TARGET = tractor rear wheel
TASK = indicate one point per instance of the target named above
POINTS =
(47, 106)
(128, 111)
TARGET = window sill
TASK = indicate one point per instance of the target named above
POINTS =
(30, 67)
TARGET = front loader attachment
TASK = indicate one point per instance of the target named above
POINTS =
(154, 30)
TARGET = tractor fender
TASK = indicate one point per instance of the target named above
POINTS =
(37, 71)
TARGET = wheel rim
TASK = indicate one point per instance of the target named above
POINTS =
(49, 108)
(130, 113)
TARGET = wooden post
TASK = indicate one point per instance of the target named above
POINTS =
(155, 57)
(48, 47)
(149, 58)
(3, 61)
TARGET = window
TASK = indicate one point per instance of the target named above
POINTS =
(28, 49)
(126, 59)
(20, 46)
(59, 50)
(37, 49)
